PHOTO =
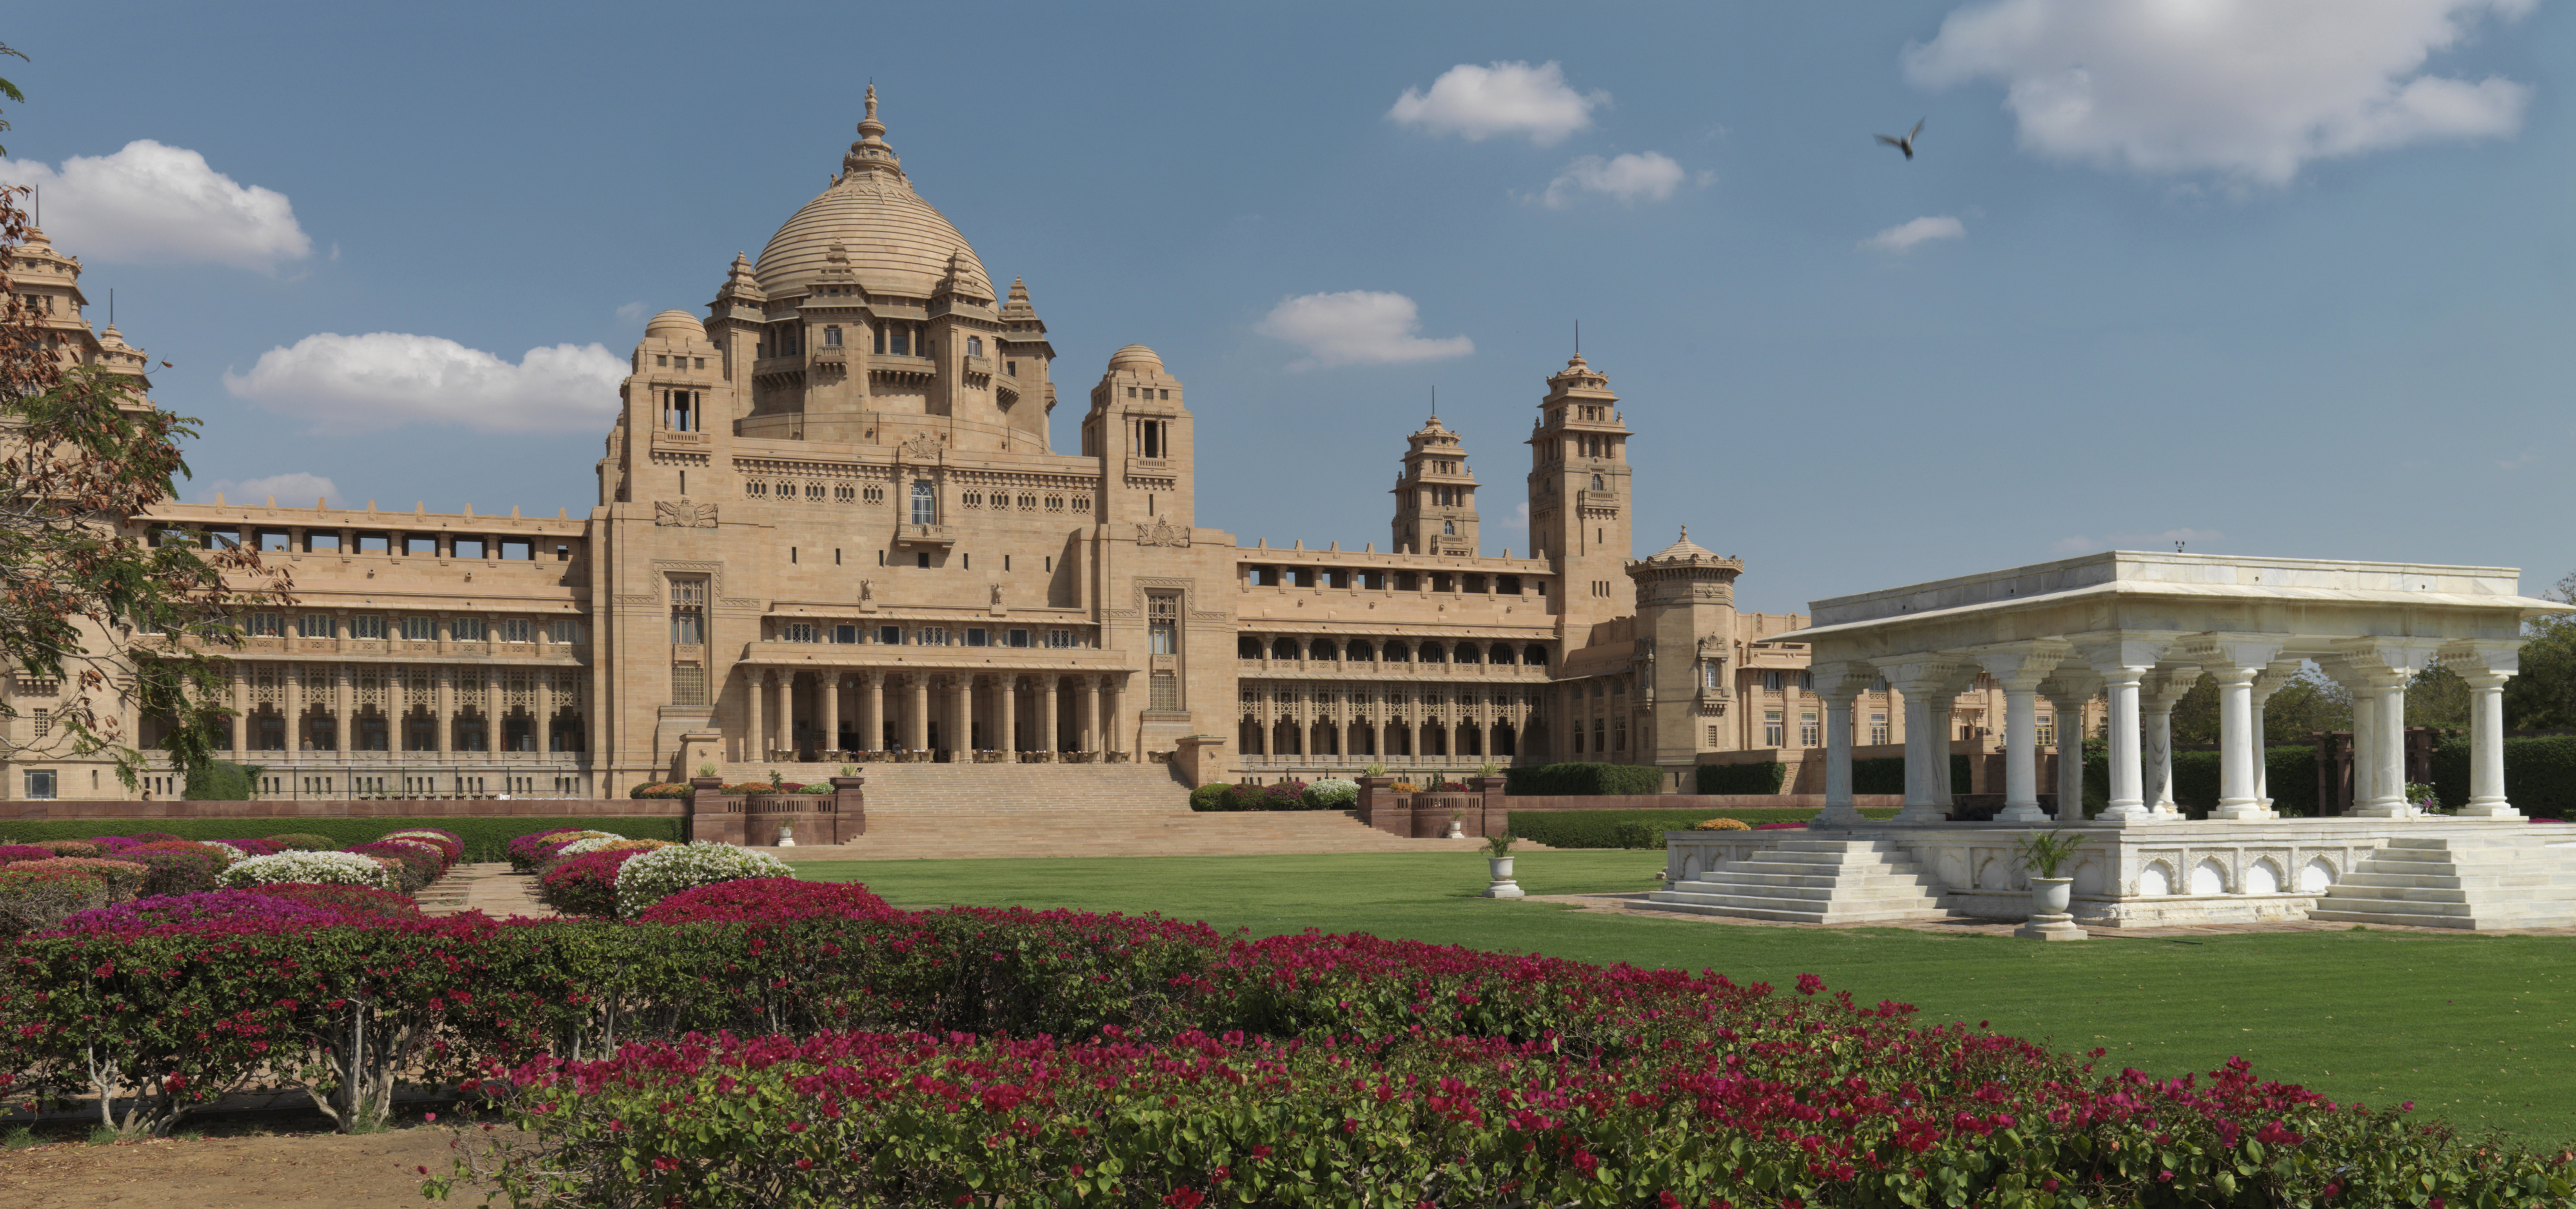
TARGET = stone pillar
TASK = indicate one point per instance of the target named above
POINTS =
(2364, 742)
(965, 740)
(2388, 750)
(1839, 685)
(241, 708)
(2275, 676)
(1007, 712)
(494, 711)
(2018, 669)
(2068, 691)
(1050, 721)
(2158, 694)
(754, 738)
(295, 732)
(1114, 699)
(543, 739)
(342, 693)
(443, 707)
(918, 724)
(872, 711)
(2486, 743)
(2380, 669)
(1091, 714)
(2123, 665)
(2235, 666)
(1925, 682)
(829, 685)
(1940, 716)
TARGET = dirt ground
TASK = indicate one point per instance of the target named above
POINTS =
(246, 1167)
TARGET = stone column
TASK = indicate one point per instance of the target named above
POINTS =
(442, 707)
(2364, 742)
(1113, 693)
(1838, 686)
(1006, 711)
(1050, 721)
(494, 711)
(919, 721)
(2381, 668)
(1924, 681)
(872, 711)
(2067, 691)
(341, 693)
(2235, 665)
(2275, 676)
(2486, 666)
(295, 733)
(2158, 694)
(755, 682)
(2018, 669)
(2123, 665)
(965, 741)
(543, 739)
(829, 685)
(241, 707)
(1941, 714)
(1091, 714)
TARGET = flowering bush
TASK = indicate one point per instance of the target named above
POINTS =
(1333, 793)
(113, 843)
(587, 844)
(152, 837)
(359, 904)
(1781, 827)
(327, 868)
(585, 884)
(248, 848)
(661, 789)
(414, 865)
(750, 787)
(1722, 825)
(176, 872)
(304, 841)
(213, 912)
(451, 846)
(82, 848)
(763, 900)
(121, 879)
(11, 854)
(653, 876)
(223, 855)
(818, 789)
(530, 850)
(32, 898)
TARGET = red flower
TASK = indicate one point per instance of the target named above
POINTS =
(1183, 1198)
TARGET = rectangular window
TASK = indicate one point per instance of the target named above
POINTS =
(372, 543)
(1806, 682)
(930, 635)
(276, 541)
(367, 625)
(888, 635)
(1166, 694)
(1162, 623)
(44, 723)
(1714, 734)
(688, 684)
(566, 630)
(1619, 733)
(40, 784)
(2047, 729)
(1019, 638)
(517, 629)
(688, 628)
(925, 504)
(1600, 729)
(519, 549)
(798, 631)
(976, 637)
(1878, 730)
(419, 545)
(1809, 734)
(1060, 639)
(313, 625)
(1772, 682)
(470, 547)
(470, 629)
(1771, 736)
(420, 629)
(847, 635)
(264, 625)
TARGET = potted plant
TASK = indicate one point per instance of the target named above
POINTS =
(2043, 853)
(1457, 829)
(786, 835)
(1498, 862)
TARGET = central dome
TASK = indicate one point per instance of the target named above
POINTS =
(870, 220)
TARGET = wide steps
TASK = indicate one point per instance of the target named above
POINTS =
(1809, 881)
(2446, 882)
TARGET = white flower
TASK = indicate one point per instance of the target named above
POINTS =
(663, 872)
(327, 868)
(591, 841)
(1333, 791)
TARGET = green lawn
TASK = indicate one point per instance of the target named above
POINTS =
(2476, 1029)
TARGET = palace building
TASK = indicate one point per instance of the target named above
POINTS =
(834, 525)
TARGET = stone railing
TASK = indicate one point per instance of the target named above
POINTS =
(757, 819)
(1479, 812)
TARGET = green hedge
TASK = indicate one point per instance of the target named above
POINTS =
(1583, 780)
(220, 781)
(1622, 828)
(1742, 778)
(486, 838)
(2539, 774)
(2290, 775)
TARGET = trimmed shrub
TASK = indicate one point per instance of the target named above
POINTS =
(223, 855)
(249, 848)
(1726, 825)
(1286, 795)
(1213, 797)
(530, 853)
(1766, 778)
(304, 841)
(585, 884)
(1883, 775)
(769, 900)
(325, 868)
(178, 872)
(1583, 780)
(153, 837)
(653, 876)
(78, 848)
(121, 879)
(661, 789)
(33, 899)
(1333, 793)
(220, 781)
(11, 854)
(360, 903)
(486, 837)
(214, 911)
(417, 864)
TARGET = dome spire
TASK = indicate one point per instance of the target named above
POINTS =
(871, 154)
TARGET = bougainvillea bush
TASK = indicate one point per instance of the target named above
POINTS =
(656, 875)
(121, 879)
(356, 902)
(767, 900)
(328, 868)
(32, 898)
(11, 854)
(584, 884)
(532, 850)
(304, 841)
(416, 865)
(169, 872)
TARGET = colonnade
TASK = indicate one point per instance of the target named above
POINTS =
(801, 713)
(1311, 648)
(2143, 679)
(405, 707)
(1338, 720)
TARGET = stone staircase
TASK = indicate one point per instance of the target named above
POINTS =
(2474, 884)
(935, 811)
(1813, 881)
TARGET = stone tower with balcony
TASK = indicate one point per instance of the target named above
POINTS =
(1578, 496)
(1686, 633)
(1435, 496)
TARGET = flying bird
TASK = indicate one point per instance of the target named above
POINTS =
(1905, 144)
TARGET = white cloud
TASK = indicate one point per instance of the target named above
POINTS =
(1478, 103)
(296, 488)
(1651, 176)
(156, 204)
(632, 312)
(2246, 89)
(1356, 327)
(2080, 544)
(346, 384)
(1901, 238)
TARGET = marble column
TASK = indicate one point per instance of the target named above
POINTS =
(965, 741)
(1006, 712)
(2158, 694)
(2068, 691)
(2380, 669)
(828, 684)
(2234, 666)
(543, 739)
(1839, 810)
(919, 721)
(755, 686)
(1090, 714)
(1926, 683)
(241, 708)
(2275, 677)
(1050, 720)
(2486, 740)
(2365, 741)
(872, 711)
(2018, 670)
(2123, 666)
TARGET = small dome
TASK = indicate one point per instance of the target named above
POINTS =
(674, 325)
(1136, 357)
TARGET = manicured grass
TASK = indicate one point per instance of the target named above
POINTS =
(2478, 1029)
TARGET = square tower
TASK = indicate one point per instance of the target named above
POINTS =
(1435, 497)
(1578, 494)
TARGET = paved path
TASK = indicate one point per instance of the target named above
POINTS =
(489, 887)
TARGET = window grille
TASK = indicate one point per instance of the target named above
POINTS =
(367, 625)
(1771, 736)
(264, 625)
(1162, 623)
(1166, 692)
(470, 629)
(925, 504)
(930, 635)
(563, 630)
(515, 629)
(798, 631)
(1060, 639)
(313, 625)
(420, 629)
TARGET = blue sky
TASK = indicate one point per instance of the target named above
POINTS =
(2292, 278)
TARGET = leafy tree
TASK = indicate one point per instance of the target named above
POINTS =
(121, 622)
(2309, 702)
(2542, 696)
(2438, 697)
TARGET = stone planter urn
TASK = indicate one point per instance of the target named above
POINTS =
(786, 835)
(1457, 830)
(2049, 915)
(1503, 886)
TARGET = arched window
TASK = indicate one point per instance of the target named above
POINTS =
(832, 336)
(1596, 483)
(1448, 528)
(974, 346)
(925, 505)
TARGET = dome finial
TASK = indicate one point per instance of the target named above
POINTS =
(870, 154)
(872, 100)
